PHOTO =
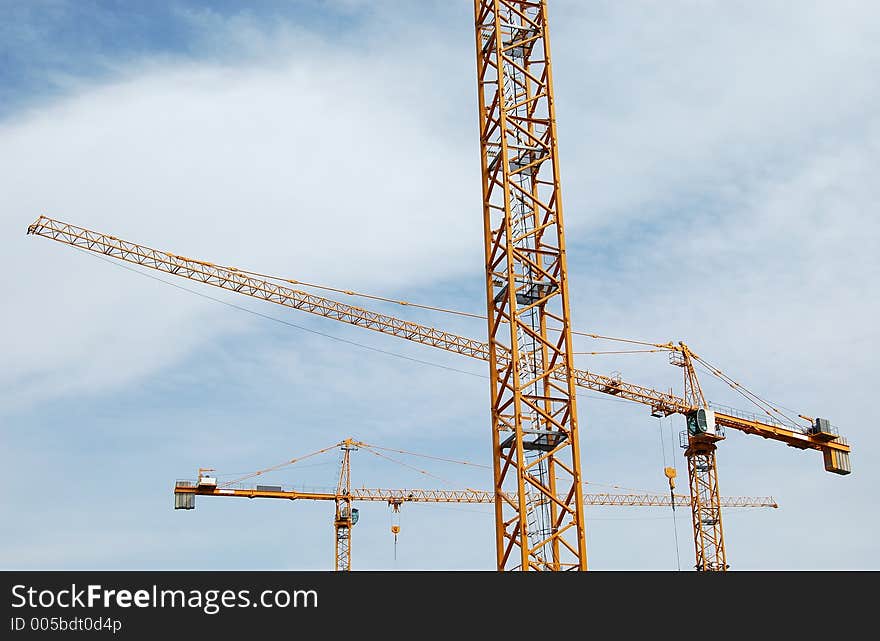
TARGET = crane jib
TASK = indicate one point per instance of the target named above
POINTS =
(835, 452)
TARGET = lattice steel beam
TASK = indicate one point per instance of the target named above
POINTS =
(539, 504)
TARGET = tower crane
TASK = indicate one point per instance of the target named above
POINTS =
(346, 516)
(706, 421)
(539, 522)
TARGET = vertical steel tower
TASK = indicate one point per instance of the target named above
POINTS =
(538, 492)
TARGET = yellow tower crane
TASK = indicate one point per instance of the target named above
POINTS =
(706, 421)
(536, 456)
(346, 516)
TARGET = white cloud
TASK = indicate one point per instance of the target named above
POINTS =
(304, 170)
(717, 163)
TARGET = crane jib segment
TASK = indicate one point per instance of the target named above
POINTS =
(399, 496)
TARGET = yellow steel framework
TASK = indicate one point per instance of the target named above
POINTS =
(346, 515)
(702, 473)
(539, 517)
(413, 495)
(705, 506)
(833, 446)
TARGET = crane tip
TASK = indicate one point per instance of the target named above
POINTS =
(35, 226)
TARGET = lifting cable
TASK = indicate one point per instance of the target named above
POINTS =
(371, 449)
(671, 492)
(425, 472)
(349, 292)
(449, 460)
(665, 346)
(658, 346)
(345, 340)
(582, 394)
(755, 399)
(432, 308)
(624, 351)
(751, 396)
(436, 458)
(284, 322)
(661, 346)
(280, 465)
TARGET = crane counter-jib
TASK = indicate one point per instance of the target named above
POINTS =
(834, 448)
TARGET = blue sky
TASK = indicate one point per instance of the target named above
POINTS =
(48, 44)
(717, 166)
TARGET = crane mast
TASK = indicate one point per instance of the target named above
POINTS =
(699, 443)
(536, 454)
(345, 517)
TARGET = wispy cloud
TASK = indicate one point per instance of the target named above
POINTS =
(716, 161)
